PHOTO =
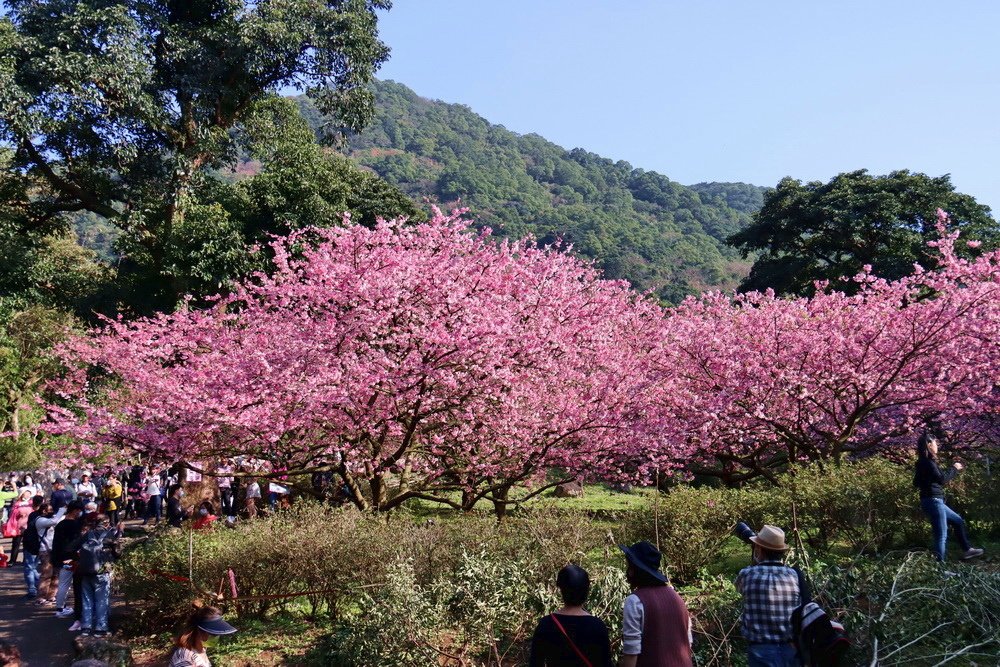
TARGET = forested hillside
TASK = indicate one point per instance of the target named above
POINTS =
(637, 224)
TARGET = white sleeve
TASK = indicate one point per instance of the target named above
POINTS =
(632, 621)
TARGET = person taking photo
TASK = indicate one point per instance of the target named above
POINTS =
(771, 591)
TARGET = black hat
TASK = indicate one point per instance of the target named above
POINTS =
(215, 625)
(646, 557)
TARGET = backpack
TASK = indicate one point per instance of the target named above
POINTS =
(820, 641)
(31, 542)
(97, 552)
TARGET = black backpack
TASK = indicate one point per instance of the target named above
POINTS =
(97, 552)
(31, 542)
(820, 641)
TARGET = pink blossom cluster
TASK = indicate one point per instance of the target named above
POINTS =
(410, 359)
(426, 360)
(761, 380)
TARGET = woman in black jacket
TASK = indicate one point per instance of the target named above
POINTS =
(930, 480)
(175, 513)
(571, 637)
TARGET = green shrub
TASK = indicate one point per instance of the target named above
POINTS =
(909, 610)
(864, 507)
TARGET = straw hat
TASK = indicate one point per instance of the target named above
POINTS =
(770, 537)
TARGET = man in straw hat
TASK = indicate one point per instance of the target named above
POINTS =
(771, 591)
(656, 628)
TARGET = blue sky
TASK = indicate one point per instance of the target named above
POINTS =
(724, 90)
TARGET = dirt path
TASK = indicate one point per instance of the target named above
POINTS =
(44, 640)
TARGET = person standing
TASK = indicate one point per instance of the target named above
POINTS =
(30, 486)
(31, 544)
(929, 479)
(47, 576)
(16, 523)
(135, 491)
(112, 496)
(63, 556)
(8, 494)
(225, 483)
(86, 490)
(570, 635)
(771, 591)
(154, 503)
(97, 552)
(252, 498)
(656, 627)
(61, 496)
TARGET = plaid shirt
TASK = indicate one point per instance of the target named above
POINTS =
(770, 595)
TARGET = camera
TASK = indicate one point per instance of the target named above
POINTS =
(744, 532)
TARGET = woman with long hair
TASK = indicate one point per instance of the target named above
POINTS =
(929, 479)
(201, 627)
(16, 523)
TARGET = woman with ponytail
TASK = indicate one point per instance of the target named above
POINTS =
(929, 479)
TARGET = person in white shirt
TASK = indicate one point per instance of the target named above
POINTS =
(204, 624)
(154, 506)
(85, 489)
(252, 498)
(45, 524)
(225, 482)
(29, 485)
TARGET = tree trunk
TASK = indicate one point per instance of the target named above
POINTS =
(500, 503)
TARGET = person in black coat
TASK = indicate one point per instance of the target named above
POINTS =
(929, 479)
(175, 513)
(571, 635)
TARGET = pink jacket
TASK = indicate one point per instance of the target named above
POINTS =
(20, 515)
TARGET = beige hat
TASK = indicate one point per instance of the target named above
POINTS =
(770, 537)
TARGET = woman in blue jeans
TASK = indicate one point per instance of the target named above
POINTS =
(930, 480)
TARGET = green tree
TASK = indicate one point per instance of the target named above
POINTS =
(122, 109)
(824, 231)
(41, 263)
(299, 184)
(26, 339)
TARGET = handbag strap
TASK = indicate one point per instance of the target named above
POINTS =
(578, 652)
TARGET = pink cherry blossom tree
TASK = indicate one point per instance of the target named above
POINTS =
(761, 381)
(418, 361)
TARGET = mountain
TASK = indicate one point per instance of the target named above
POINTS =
(636, 224)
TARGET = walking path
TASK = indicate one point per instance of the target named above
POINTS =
(44, 640)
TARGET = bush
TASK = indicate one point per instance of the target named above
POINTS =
(307, 548)
(907, 610)
(332, 554)
(865, 507)
(483, 614)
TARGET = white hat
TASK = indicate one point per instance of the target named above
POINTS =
(770, 537)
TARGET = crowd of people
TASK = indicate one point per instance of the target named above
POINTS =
(69, 538)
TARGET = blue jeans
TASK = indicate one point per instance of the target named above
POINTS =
(31, 576)
(940, 516)
(96, 596)
(153, 508)
(772, 655)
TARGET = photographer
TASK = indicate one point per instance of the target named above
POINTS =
(771, 591)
